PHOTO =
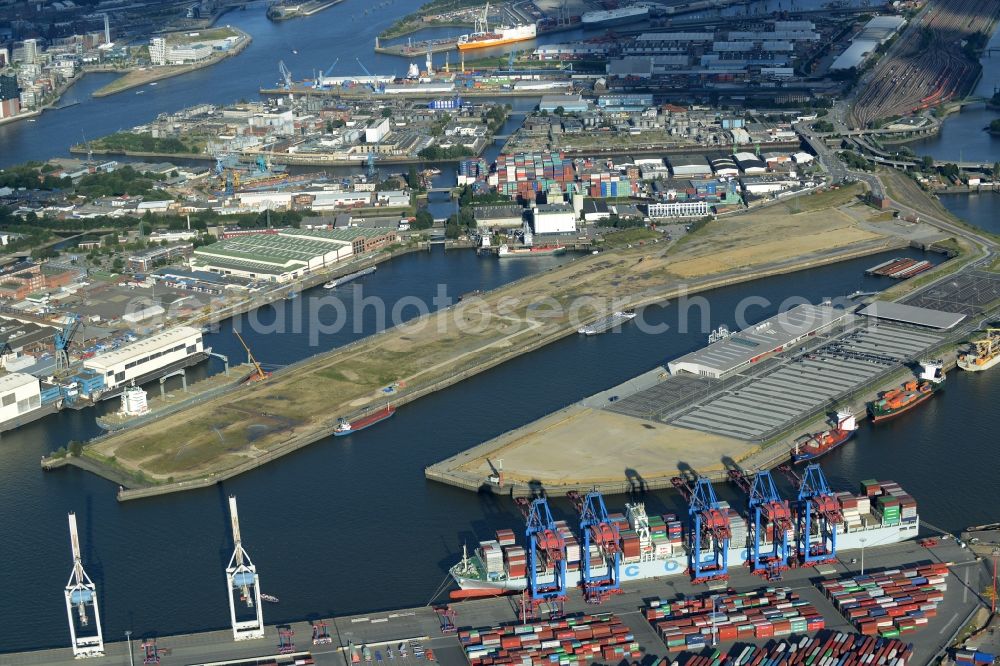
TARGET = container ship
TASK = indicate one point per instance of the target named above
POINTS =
(604, 19)
(811, 447)
(985, 354)
(348, 427)
(895, 402)
(607, 323)
(655, 546)
(507, 252)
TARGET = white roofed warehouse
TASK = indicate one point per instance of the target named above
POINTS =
(148, 358)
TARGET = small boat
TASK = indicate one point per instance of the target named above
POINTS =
(153, 83)
(810, 447)
(894, 402)
(505, 251)
(344, 279)
(139, 92)
(348, 427)
(607, 323)
(270, 598)
(294, 52)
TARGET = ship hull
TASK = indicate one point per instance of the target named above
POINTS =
(879, 535)
(882, 416)
(972, 367)
(534, 253)
(366, 422)
(799, 458)
(487, 43)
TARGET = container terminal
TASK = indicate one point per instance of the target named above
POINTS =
(940, 571)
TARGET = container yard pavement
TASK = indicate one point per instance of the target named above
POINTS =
(377, 628)
(249, 426)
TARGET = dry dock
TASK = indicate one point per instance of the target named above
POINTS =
(421, 624)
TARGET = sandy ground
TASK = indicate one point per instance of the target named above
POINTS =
(580, 446)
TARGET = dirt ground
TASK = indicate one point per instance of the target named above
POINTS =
(223, 432)
(581, 446)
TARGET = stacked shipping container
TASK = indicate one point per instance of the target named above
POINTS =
(977, 657)
(770, 612)
(891, 602)
(836, 649)
(572, 641)
(526, 174)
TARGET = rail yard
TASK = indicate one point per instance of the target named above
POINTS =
(929, 66)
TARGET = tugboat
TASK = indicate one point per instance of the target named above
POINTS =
(810, 447)
(985, 354)
(347, 427)
(894, 402)
(270, 598)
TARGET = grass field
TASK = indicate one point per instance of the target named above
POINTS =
(226, 431)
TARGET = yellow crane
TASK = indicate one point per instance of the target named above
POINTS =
(258, 374)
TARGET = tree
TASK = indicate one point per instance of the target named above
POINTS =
(118, 265)
(927, 162)
(424, 220)
(560, 110)
(996, 170)
(75, 448)
(329, 126)
(386, 112)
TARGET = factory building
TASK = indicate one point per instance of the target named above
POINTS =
(145, 261)
(756, 343)
(281, 257)
(553, 219)
(678, 209)
(876, 32)
(689, 165)
(490, 217)
(750, 164)
(569, 103)
(19, 393)
(147, 358)
(725, 167)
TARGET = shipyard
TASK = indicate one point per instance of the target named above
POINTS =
(499, 333)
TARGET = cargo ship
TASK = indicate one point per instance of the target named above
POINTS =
(507, 252)
(347, 427)
(483, 37)
(607, 323)
(607, 18)
(985, 354)
(657, 546)
(894, 402)
(344, 279)
(811, 447)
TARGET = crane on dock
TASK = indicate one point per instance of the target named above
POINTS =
(446, 619)
(81, 596)
(709, 527)
(326, 74)
(597, 528)
(63, 340)
(771, 518)
(819, 515)
(543, 539)
(285, 643)
(259, 374)
(321, 633)
(241, 575)
(286, 75)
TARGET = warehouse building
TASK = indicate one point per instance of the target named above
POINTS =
(553, 219)
(490, 217)
(19, 393)
(569, 103)
(689, 165)
(281, 257)
(145, 261)
(750, 164)
(147, 358)
(725, 167)
(678, 209)
(875, 33)
(909, 314)
(757, 342)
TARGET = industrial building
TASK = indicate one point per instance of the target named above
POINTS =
(147, 358)
(19, 394)
(725, 167)
(678, 209)
(689, 165)
(144, 261)
(280, 257)
(909, 314)
(490, 217)
(755, 343)
(568, 103)
(876, 32)
(553, 219)
(750, 164)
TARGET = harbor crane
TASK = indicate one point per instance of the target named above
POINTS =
(81, 596)
(259, 374)
(241, 575)
(63, 339)
(710, 532)
(543, 538)
(771, 518)
(286, 74)
(320, 77)
(597, 528)
(819, 515)
(321, 633)
(286, 645)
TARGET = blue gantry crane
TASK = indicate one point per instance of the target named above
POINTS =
(709, 532)
(819, 515)
(543, 539)
(771, 517)
(598, 529)
(63, 340)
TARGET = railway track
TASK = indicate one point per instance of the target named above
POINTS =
(928, 65)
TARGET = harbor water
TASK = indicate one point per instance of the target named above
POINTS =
(351, 525)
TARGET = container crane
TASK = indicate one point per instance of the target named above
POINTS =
(326, 74)
(542, 537)
(259, 374)
(63, 340)
(241, 575)
(446, 619)
(819, 515)
(81, 595)
(772, 518)
(286, 75)
(321, 633)
(709, 524)
(286, 645)
(597, 528)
